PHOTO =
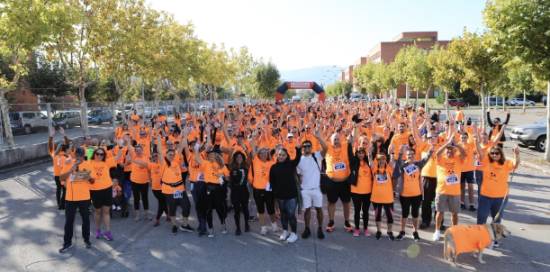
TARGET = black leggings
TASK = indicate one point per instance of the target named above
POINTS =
(388, 210)
(141, 192)
(59, 192)
(239, 200)
(215, 197)
(410, 205)
(161, 203)
(361, 202)
(429, 186)
(173, 203)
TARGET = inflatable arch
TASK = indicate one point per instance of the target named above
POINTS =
(281, 90)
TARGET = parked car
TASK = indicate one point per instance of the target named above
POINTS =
(457, 102)
(495, 101)
(531, 135)
(99, 117)
(66, 119)
(28, 121)
(519, 102)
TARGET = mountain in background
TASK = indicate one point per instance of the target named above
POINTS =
(323, 75)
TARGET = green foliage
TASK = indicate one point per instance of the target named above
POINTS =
(339, 88)
(412, 65)
(366, 78)
(267, 79)
(47, 79)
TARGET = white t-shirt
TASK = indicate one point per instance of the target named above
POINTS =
(309, 172)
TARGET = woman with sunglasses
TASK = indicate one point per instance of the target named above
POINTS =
(361, 188)
(282, 178)
(496, 171)
(101, 191)
(139, 178)
(382, 193)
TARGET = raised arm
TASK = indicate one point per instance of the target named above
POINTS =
(516, 157)
(489, 119)
(324, 147)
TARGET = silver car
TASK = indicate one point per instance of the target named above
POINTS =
(531, 135)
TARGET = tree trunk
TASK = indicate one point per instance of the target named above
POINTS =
(482, 94)
(426, 101)
(524, 99)
(547, 152)
(447, 104)
(83, 109)
(503, 104)
(407, 94)
(416, 101)
(4, 107)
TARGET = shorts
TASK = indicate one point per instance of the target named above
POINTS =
(338, 190)
(102, 198)
(264, 200)
(447, 203)
(173, 203)
(410, 205)
(312, 198)
(467, 177)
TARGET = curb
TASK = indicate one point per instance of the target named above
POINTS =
(538, 167)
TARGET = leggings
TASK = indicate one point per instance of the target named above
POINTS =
(173, 203)
(215, 197)
(239, 200)
(59, 192)
(361, 202)
(161, 203)
(410, 205)
(288, 213)
(141, 192)
(201, 204)
(388, 209)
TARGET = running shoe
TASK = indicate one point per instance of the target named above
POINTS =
(378, 235)
(416, 236)
(186, 228)
(306, 233)
(348, 227)
(174, 230)
(108, 236)
(210, 233)
(356, 233)
(65, 248)
(462, 206)
(224, 229)
(88, 244)
(390, 236)
(98, 234)
(238, 232)
(400, 236)
(436, 236)
(320, 234)
(330, 226)
(367, 234)
(156, 224)
(472, 208)
(292, 238)
(263, 230)
(246, 227)
(283, 236)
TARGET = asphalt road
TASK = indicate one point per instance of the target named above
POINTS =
(31, 233)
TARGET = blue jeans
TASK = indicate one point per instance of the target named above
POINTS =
(288, 213)
(488, 205)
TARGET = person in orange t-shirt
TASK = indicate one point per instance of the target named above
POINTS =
(496, 171)
(361, 190)
(156, 187)
(139, 178)
(382, 194)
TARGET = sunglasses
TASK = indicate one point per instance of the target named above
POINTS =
(306, 146)
(100, 154)
(495, 153)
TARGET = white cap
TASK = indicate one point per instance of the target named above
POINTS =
(289, 135)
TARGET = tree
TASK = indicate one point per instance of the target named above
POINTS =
(339, 88)
(23, 28)
(521, 28)
(446, 71)
(479, 63)
(365, 77)
(244, 65)
(47, 79)
(267, 79)
(521, 78)
(386, 77)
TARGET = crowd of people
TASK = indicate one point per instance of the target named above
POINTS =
(286, 156)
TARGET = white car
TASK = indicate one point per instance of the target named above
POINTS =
(28, 121)
(519, 102)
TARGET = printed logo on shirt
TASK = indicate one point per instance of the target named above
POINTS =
(339, 166)
(381, 178)
(452, 179)
(411, 169)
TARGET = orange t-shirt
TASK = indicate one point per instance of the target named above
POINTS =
(448, 175)
(495, 178)
(364, 180)
(154, 167)
(210, 171)
(58, 162)
(470, 238)
(469, 160)
(77, 190)
(171, 175)
(261, 173)
(382, 187)
(101, 175)
(337, 163)
(411, 181)
(139, 174)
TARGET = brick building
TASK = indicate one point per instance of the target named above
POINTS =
(385, 52)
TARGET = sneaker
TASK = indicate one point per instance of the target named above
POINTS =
(416, 236)
(424, 225)
(224, 229)
(356, 233)
(118, 208)
(113, 207)
(378, 235)
(98, 234)
(263, 230)
(238, 232)
(390, 236)
(186, 228)
(495, 244)
(108, 236)
(306, 233)
(174, 230)
(88, 244)
(400, 236)
(65, 248)
(284, 235)
(157, 223)
(274, 227)
(292, 238)
(246, 227)
(348, 227)
(367, 234)
(436, 236)
(210, 233)
(330, 226)
(462, 206)
(472, 208)
(320, 234)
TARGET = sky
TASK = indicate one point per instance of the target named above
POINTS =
(297, 34)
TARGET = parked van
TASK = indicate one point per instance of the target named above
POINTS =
(28, 121)
(66, 119)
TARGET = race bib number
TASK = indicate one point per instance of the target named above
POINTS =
(200, 177)
(178, 194)
(268, 187)
(381, 178)
(452, 179)
(411, 169)
(339, 166)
